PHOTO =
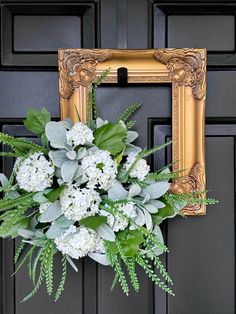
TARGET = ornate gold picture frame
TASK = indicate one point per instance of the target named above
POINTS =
(185, 69)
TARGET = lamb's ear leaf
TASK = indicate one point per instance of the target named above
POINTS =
(105, 232)
(51, 213)
(56, 134)
(36, 120)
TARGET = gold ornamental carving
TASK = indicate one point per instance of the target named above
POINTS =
(186, 66)
(78, 68)
(192, 183)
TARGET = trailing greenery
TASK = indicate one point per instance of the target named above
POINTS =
(128, 112)
(25, 200)
(43, 265)
(92, 102)
(63, 278)
(21, 146)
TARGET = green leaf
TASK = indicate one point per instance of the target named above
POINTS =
(130, 241)
(54, 195)
(93, 222)
(110, 137)
(37, 120)
(166, 212)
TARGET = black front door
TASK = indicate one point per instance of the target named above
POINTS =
(202, 249)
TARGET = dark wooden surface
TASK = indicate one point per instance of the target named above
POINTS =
(202, 249)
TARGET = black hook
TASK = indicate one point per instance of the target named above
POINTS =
(122, 76)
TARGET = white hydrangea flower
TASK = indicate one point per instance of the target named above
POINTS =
(119, 222)
(35, 173)
(77, 242)
(140, 170)
(44, 206)
(77, 203)
(99, 246)
(100, 169)
(79, 134)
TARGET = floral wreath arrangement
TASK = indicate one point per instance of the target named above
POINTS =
(87, 190)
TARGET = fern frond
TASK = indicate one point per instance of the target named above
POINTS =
(63, 278)
(20, 144)
(23, 201)
(128, 112)
(114, 262)
(143, 262)
(130, 264)
(130, 124)
(157, 262)
(19, 251)
(92, 112)
(47, 261)
(35, 264)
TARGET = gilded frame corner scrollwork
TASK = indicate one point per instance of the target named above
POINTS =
(184, 68)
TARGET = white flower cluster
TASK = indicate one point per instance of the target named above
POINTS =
(77, 242)
(100, 169)
(44, 206)
(140, 170)
(79, 134)
(35, 173)
(119, 222)
(77, 203)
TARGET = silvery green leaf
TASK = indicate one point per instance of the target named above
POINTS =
(117, 192)
(71, 155)
(39, 197)
(72, 264)
(148, 220)
(151, 208)
(156, 189)
(33, 223)
(56, 134)
(58, 172)
(146, 199)
(139, 219)
(158, 204)
(106, 233)
(100, 122)
(39, 234)
(51, 213)
(3, 179)
(78, 173)
(157, 232)
(24, 233)
(63, 222)
(100, 258)
(165, 171)
(68, 170)
(81, 153)
(179, 205)
(130, 148)
(12, 195)
(60, 181)
(81, 180)
(34, 242)
(58, 157)
(131, 136)
(134, 190)
(67, 123)
(55, 231)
